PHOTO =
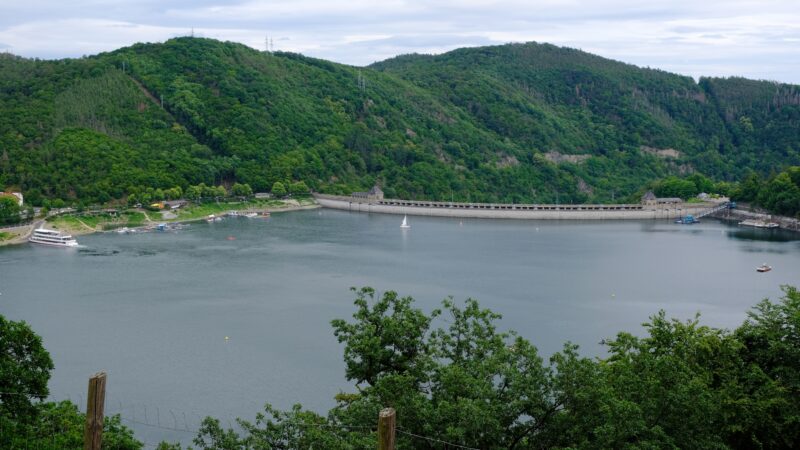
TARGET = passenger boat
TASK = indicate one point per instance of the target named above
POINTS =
(763, 268)
(52, 237)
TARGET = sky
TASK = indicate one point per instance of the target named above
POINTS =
(757, 39)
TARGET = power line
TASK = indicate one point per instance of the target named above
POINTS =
(439, 441)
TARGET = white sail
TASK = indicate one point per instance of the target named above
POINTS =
(405, 223)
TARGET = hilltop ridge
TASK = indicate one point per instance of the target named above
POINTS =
(516, 122)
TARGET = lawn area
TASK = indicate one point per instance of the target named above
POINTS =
(4, 236)
(203, 210)
(83, 223)
(133, 218)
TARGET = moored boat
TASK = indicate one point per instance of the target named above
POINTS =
(687, 220)
(763, 268)
(53, 238)
(759, 224)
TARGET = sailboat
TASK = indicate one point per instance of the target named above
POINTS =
(405, 223)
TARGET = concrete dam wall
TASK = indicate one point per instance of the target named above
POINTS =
(511, 211)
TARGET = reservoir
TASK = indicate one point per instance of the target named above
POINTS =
(153, 310)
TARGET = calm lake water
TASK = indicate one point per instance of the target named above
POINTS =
(153, 310)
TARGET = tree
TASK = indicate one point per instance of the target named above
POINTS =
(26, 421)
(770, 340)
(453, 377)
(24, 369)
(467, 383)
(278, 189)
(194, 192)
(241, 190)
(780, 195)
(298, 188)
(220, 192)
(9, 210)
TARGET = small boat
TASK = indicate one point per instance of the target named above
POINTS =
(213, 218)
(52, 237)
(124, 230)
(233, 213)
(251, 215)
(265, 214)
(763, 268)
(405, 223)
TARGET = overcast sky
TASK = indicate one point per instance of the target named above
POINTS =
(757, 39)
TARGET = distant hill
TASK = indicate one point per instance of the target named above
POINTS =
(518, 122)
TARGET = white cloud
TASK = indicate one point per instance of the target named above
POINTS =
(750, 38)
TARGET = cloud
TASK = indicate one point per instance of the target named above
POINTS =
(750, 38)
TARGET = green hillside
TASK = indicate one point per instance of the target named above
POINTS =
(522, 122)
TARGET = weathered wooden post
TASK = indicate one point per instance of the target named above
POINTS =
(386, 425)
(93, 432)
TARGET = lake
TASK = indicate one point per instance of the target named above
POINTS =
(153, 309)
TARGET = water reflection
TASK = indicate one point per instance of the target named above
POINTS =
(766, 235)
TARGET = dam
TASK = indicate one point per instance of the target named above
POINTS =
(650, 208)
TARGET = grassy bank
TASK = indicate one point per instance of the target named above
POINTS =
(90, 222)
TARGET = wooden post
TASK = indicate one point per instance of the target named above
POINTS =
(386, 425)
(93, 432)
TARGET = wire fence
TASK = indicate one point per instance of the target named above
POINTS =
(153, 425)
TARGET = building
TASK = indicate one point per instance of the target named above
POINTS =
(373, 195)
(175, 204)
(650, 199)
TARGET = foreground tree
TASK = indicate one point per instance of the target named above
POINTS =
(453, 377)
(28, 422)
(24, 370)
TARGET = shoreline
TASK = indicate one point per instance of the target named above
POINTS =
(739, 214)
(83, 229)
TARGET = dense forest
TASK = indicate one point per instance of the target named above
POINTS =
(514, 123)
(454, 377)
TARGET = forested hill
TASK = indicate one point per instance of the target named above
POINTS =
(519, 122)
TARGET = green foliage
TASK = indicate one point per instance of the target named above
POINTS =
(24, 370)
(24, 423)
(472, 124)
(452, 376)
(779, 194)
(770, 340)
(241, 190)
(9, 210)
(278, 189)
(298, 188)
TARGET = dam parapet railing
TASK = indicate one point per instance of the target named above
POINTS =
(511, 211)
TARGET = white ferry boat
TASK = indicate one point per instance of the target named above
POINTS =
(52, 237)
